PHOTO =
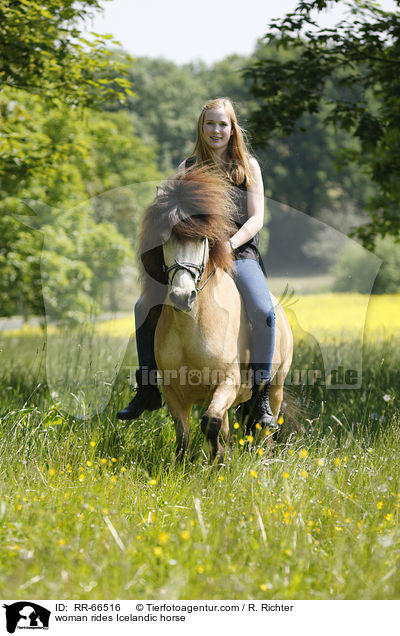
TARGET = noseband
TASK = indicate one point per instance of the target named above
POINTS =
(196, 271)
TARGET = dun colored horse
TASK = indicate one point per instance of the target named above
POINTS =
(202, 335)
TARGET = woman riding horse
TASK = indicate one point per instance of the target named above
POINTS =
(220, 144)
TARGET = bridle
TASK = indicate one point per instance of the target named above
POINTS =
(195, 271)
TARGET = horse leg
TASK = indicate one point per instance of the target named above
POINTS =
(225, 426)
(180, 415)
(275, 398)
(216, 418)
(182, 431)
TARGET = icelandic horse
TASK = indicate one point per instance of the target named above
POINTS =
(202, 335)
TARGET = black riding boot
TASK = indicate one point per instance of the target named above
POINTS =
(147, 398)
(260, 408)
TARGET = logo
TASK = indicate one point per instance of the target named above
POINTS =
(26, 615)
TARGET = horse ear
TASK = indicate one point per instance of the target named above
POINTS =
(165, 234)
(174, 217)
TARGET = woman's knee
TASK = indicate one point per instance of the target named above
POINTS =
(263, 314)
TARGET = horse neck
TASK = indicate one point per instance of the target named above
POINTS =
(205, 297)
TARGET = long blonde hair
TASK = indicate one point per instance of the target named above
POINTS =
(238, 167)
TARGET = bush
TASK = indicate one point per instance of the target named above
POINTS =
(356, 269)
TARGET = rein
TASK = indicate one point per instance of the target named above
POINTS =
(196, 271)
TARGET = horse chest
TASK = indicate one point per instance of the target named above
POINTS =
(186, 342)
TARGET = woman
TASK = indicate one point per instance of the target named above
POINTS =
(220, 142)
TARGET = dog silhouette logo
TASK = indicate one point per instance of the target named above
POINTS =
(26, 615)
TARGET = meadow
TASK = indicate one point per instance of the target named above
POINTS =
(97, 509)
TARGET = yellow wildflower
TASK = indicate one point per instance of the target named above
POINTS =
(81, 477)
(379, 505)
(336, 461)
(241, 442)
(236, 425)
(285, 475)
(260, 451)
(152, 482)
(303, 453)
(52, 472)
(89, 463)
(185, 535)
(103, 461)
(157, 550)
(249, 438)
(92, 444)
(320, 461)
(253, 473)
(304, 474)
(258, 426)
(163, 538)
(200, 569)
(263, 587)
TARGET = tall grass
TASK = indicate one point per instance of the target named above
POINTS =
(97, 509)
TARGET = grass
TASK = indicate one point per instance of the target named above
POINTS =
(97, 509)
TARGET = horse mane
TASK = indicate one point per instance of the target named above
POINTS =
(199, 203)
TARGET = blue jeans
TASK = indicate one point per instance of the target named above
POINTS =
(254, 291)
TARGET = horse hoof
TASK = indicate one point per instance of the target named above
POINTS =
(211, 426)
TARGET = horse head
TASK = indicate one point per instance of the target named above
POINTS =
(184, 263)
(185, 231)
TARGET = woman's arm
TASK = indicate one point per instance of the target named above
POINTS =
(255, 207)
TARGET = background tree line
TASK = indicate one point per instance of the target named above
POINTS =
(83, 122)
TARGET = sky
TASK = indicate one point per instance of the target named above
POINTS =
(185, 31)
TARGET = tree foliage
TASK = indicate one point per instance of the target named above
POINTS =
(165, 107)
(360, 58)
(60, 158)
(42, 51)
(355, 269)
(56, 152)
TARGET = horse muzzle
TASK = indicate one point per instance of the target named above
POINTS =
(182, 301)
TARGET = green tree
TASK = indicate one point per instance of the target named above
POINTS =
(360, 57)
(42, 51)
(165, 107)
(355, 269)
(61, 157)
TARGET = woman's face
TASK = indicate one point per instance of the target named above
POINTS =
(217, 129)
